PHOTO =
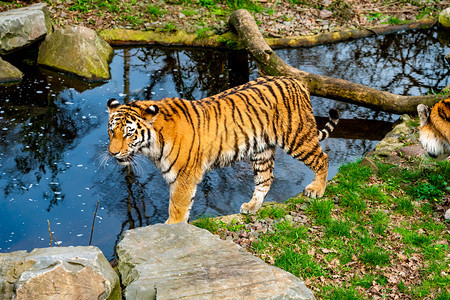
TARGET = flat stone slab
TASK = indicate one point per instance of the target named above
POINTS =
(182, 261)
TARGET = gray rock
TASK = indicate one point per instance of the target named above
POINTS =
(391, 141)
(387, 145)
(58, 273)
(77, 50)
(447, 214)
(367, 162)
(444, 18)
(399, 130)
(12, 265)
(23, 26)
(412, 151)
(182, 261)
(325, 14)
(9, 73)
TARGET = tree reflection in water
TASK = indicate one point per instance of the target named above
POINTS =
(195, 75)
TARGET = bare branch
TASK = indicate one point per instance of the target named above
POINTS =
(271, 64)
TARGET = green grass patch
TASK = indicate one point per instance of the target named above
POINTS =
(272, 211)
(427, 191)
(374, 194)
(365, 282)
(320, 210)
(339, 228)
(380, 221)
(396, 21)
(444, 295)
(342, 293)
(353, 175)
(375, 257)
(300, 264)
(404, 206)
(154, 11)
(207, 223)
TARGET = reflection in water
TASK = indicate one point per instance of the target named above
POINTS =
(53, 131)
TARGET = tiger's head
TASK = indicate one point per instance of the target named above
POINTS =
(130, 128)
(435, 128)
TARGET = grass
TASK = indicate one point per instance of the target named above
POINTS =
(375, 257)
(272, 211)
(368, 230)
(320, 210)
(299, 264)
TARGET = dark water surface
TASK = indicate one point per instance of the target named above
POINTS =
(53, 132)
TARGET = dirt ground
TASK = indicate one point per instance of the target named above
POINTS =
(277, 18)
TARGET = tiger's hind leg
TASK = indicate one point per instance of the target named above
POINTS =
(262, 165)
(317, 160)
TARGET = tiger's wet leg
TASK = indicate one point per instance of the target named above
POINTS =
(317, 160)
(181, 200)
(262, 165)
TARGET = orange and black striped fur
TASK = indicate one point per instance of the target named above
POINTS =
(435, 128)
(185, 139)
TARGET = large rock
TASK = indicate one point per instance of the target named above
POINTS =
(444, 18)
(77, 50)
(181, 261)
(58, 273)
(23, 26)
(11, 266)
(9, 73)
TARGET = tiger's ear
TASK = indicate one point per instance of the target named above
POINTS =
(112, 105)
(151, 112)
(424, 114)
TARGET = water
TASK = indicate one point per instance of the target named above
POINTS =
(53, 132)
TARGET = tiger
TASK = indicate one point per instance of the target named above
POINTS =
(185, 139)
(434, 129)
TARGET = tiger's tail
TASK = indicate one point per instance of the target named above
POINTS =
(329, 126)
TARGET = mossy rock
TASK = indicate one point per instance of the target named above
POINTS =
(444, 18)
(77, 50)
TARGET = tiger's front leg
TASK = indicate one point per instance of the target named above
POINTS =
(181, 199)
(262, 165)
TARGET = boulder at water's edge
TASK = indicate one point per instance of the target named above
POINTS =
(58, 273)
(444, 18)
(9, 73)
(78, 51)
(23, 26)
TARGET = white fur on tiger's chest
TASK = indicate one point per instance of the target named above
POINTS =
(434, 145)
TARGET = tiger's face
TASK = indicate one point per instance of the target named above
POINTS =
(435, 128)
(129, 129)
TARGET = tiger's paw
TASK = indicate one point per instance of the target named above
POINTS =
(314, 190)
(247, 208)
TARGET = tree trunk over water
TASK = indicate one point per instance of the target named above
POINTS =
(338, 89)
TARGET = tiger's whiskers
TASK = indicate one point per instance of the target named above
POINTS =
(103, 159)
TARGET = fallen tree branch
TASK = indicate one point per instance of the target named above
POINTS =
(344, 35)
(338, 89)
